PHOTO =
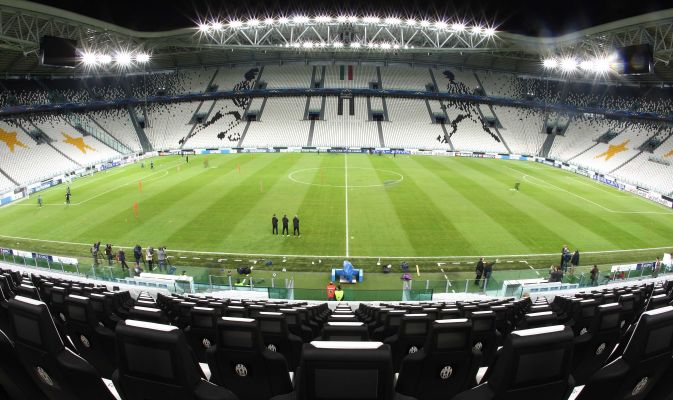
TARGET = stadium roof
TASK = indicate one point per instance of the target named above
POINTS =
(306, 40)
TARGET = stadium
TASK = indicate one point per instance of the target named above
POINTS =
(317, 202)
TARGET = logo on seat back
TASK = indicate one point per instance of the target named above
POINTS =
(413, 349)
(478, 346)
(44, 376)
(272, 347)
(446, 372)
(206, 343)
(640, 386)
(241, 370)
(84, 341)
(600, 349)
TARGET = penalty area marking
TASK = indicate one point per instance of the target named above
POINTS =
(353, 256)
(547, 184)
(292, 177)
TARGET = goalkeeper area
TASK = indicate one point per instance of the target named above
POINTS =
(437, 212)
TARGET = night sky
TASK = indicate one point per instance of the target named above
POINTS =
(533, 18)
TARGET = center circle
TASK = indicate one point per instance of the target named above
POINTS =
(355, 179)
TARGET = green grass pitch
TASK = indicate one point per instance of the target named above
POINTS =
(349, 205)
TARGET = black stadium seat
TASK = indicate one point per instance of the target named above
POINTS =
(155, 362)
(55, 369)
(534, 364)
(15, 381)
(201, 330)
(411, 336)
(645, 359)
(345, 332)
(445, 366)
(277, 338)
(344, 371)
(240, 362)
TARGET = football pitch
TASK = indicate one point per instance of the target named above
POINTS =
(349, 206)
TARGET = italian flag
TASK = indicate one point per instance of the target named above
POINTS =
(342, 72)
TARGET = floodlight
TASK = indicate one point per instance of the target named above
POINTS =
(352, 19)
(587, 65)
(396, 46)
(307, 45)
(269, 21)
(283, 20)
(323, 19)
(217, 25)
(296, 44)
(235, 24)
(550, 63)
(489, 31)
(393, 21)
(322, 44)
(425, 23)
(458, 26)
(104, 58)
(89, 58)
(602, 65)
(337, 44)
(341, 18)
(410, 22)
(568, 64)
(300, 19)
(142, 57)
(476, 29)
(441, 25)
(355, 45)
(371, 20)
(253, 22)
(203, 27)
(386, 46)
(123, 58)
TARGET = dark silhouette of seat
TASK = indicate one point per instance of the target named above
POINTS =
(200, 333)
(534, 364)
(645, 359)
(93, 341)
(411, 336)
(240, 362)
(344, 370)
(276, 337)
(484, 335)
(56, 370)
(155, 362)
(593, 348)
(445, 366)
(13, 378)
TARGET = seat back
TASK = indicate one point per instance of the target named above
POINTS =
(201, 331)
(345, 332)
(538, 320)
(241, 363)
(13, 378)
(345, 371)
(55, 369)
(445, 366)
(411, 337)
(154, 358)
(646, 357)
(484, 336)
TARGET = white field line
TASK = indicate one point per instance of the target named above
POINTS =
(342, 256)
(164, 171)
(346, 190)
(525, 177)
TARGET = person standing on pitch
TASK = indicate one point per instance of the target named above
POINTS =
(286, 230)
(39, 200)
(295, 225)
(274, 225)
(151, 164)
(67, 197)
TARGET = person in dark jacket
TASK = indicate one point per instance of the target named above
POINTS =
(286, 229)
(574, 261)
(274, 225)
(108, 253)
(121, 257)
(479, 271)
(594, 275)
(138, 255)
(295, 225)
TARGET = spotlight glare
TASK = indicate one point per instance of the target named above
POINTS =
(142, 57)
(396, 46)
(587, 65)
(371, 20)
(602, 65)
(269, 21)
(458, 27)
(489, 31)
(322, 44)
(476, 29)
(308, 45)
(217, 25)
(337, 44)
(355, 45)
(411, 22)
(441, 25)
(123, 58)
(104, 58)
(393, 21)
(341, 18)
(89, 58)
(235, 24)
(352, 19)
(568, 64)
(203, 27)
(253, 22)
(300, 19)
(283, 20)
(425, 23)
(550, 63)
(323, 19)
(386, 46)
